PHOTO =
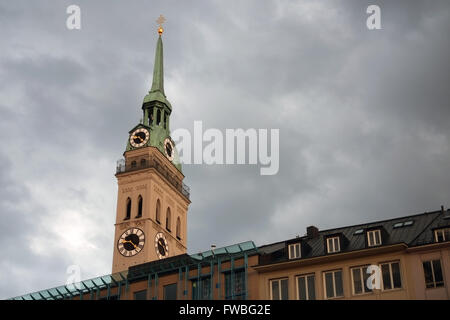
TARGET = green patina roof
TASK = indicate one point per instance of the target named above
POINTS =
(156, 93)
(156, 98)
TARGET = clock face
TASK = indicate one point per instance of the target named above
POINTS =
(161, 247)
(169, 149)
(139, 137)
(131, 242)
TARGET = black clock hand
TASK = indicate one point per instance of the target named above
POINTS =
(125, 241)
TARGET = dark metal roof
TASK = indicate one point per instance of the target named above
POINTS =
(419, 232)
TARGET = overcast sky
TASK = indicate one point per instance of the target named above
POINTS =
(364, 119)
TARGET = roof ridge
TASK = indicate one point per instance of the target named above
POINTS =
(357, 225)
(380, 221)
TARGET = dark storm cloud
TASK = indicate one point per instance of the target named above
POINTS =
(363, 118)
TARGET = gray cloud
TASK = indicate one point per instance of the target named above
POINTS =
(363, 118)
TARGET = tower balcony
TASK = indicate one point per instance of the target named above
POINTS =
(123, 167)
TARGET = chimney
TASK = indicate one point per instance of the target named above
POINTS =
(312, 232)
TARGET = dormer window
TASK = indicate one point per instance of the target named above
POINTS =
(294, 251)
(442, 235)
(333, 244)
(374, 238)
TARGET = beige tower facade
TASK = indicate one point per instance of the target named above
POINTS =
(152, 204)
(152, 201)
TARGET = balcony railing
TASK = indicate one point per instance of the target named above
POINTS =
(134, 166)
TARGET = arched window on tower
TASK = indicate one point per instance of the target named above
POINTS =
(158, 211)
(139, 207)
(143, 162)
(178, 228)
(158, 117)
(168, 220)
(150, 117)
(128, 213)
(165, 119)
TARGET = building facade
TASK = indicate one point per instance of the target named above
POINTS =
(407, 258)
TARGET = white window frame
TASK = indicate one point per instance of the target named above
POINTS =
(333, 272)
(391, 276)
(295, 245)
(443, 231)
(361, 270)
(331, 244)
(279, 287)
(374, 234)
(433, 274)
(306, 276)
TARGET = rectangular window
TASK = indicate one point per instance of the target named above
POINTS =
(140, 295)
(294, 251)
(333, 284)
(391, 275)
(442, 235)
(279, 289)
(238, 282)
(306, 289)
(333, 245)
(170, 292)
(374, 238)
(359, 280)
(201, 289)
(433, 274)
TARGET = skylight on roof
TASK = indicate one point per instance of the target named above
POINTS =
(403, 224)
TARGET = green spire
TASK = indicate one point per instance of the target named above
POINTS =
(156, 93)
(158, 69)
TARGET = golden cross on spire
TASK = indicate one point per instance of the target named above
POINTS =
(160, 21)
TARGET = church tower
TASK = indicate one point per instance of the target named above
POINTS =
(152, 201)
